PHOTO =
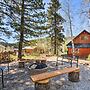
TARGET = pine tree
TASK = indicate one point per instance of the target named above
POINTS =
(55, 21)
(26, 17)
(4, 31)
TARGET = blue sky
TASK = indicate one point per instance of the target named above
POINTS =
(79, 21)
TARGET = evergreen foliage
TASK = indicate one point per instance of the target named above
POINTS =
(3, 26)
(55, 27)
(25, 17)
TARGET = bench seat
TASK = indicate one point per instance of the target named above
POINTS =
(48, 75)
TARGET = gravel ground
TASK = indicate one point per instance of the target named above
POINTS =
(19, 79)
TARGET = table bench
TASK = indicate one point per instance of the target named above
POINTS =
(73, 75)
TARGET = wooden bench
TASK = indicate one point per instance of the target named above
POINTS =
(73, 75)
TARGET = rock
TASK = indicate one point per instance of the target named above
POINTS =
(53, 88)
(86, 64)
(58, 82)
(89, 79)
(62, 80)
(20, 88)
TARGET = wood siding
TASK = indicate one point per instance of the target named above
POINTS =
(78, 39)
(82, 52)
(82, 42)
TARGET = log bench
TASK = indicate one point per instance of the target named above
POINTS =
(42, 80)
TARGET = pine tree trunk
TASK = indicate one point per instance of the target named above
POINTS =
(55, 37)
(21, 32)
(21, 36)
(55, 50)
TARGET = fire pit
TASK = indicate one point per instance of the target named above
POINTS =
(38, 67)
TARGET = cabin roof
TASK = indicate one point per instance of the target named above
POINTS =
(79, 45)
(81, 33)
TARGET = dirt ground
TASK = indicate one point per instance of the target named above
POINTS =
(19, 78)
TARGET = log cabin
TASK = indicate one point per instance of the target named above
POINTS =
(81, 45)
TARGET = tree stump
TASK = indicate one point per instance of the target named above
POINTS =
(21, 64)
(74, 76)
(42, 85)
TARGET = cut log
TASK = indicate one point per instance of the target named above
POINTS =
(74, 76)
(42, 85)
(21, 64)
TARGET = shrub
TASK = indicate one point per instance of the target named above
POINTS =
(88, 58)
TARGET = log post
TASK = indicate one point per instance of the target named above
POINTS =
(42, 85)
(21, 64)
(74, 76)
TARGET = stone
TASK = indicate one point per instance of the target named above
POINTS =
(58, 82)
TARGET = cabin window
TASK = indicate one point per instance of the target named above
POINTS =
(84, 38)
